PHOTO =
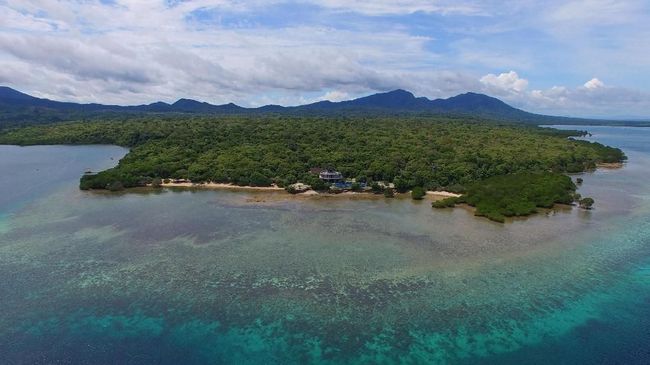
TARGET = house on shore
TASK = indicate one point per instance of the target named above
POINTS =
(330, 176)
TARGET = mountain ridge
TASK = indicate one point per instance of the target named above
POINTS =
(21, 107)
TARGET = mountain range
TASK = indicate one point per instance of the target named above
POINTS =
(19, 108)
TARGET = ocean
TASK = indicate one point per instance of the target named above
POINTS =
(222, 277)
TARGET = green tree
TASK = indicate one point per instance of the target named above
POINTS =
(116, 186)
(445, 203)
(319, 185)
(376, 188)
(401, 184)
(586, 203)
(257, 179)
(418, 193)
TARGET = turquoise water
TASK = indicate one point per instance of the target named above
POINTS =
(197, 277)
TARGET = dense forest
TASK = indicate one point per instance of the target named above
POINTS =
(432, 153)
(512, 195)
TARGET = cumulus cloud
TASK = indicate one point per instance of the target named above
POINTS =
(217, 65)
(508, 82)
(594, 84)
(96, 52)
(592, 99)
(251, 53)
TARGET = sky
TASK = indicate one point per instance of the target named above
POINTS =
(585, 58)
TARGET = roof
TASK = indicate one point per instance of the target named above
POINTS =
(330, 175)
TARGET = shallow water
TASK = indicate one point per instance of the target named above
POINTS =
(222, 277)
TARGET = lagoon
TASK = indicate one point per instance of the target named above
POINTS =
(193, 277)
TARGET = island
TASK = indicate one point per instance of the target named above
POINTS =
(502, 169)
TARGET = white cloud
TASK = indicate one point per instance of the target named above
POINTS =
(111, 54)
(581, 13)
(126, 58)
(384, 7)
(508, 82)
(134, 51)
(593, 99)
(594, 84)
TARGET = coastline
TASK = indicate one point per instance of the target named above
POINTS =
(220, 186)
(275, 194)
(435, 195)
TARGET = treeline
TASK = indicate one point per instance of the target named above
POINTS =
(411, 152)
(514, 195)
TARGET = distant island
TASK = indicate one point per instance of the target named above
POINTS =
(502, 168)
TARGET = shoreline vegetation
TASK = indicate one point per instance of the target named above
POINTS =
(517, 195)
(502, 169)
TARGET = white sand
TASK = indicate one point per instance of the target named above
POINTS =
(445, 194)
(210, 185)
(221, 186)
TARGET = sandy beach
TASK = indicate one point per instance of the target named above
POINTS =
(221, 186)
(610, 165)
(436, 195)
(444, 194)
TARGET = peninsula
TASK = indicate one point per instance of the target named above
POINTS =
(379, 154)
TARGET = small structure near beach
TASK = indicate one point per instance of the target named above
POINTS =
(330, 176)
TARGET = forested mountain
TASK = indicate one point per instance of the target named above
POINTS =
(17, 108)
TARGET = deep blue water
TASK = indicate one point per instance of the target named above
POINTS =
(212, 277)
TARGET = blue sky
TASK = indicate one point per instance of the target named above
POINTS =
(580, 58)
